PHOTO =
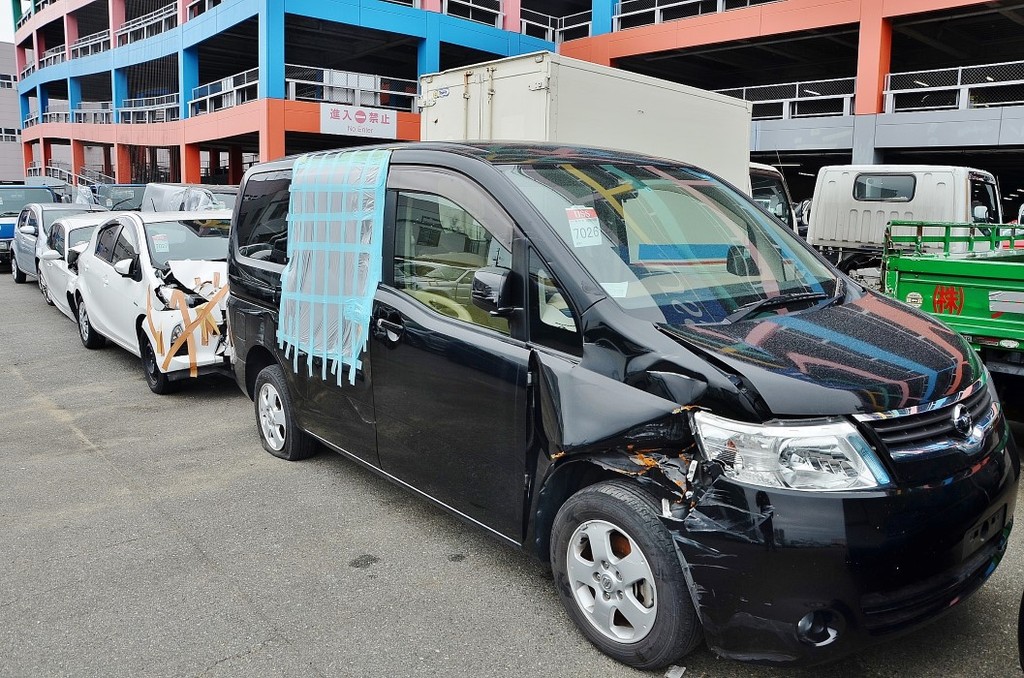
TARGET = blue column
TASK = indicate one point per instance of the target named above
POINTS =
(42, 99)
(25, 108)
(118, 88)
(428, 52)
(74, 95)
(271, 46)
(601, 16)
(188, 77)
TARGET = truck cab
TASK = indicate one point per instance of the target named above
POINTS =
(770, 192)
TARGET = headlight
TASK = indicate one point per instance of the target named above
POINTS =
(175, 333)
(818, 456)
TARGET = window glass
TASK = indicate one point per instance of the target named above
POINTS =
(50, 216)
(80, 235)
(262, 227)
(767, 191)
(13, 198)
(127, 244)
(200, 239)
(552, 320)
(56, 239)
(983, 194)
(105, 241)
(884, 187)
(438, 248)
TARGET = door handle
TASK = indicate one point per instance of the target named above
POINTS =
(389, 330)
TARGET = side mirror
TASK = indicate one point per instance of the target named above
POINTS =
(492, 289)
(75, 252)
(29, 230)
(124, 267)
(980, 214)
(739, 262)
(50, 255)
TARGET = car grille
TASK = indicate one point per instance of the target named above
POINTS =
(921, 430)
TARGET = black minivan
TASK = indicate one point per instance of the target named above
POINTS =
(622, 366)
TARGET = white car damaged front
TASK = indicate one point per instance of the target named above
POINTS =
(185, 318)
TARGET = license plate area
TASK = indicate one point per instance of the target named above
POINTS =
(984, 530)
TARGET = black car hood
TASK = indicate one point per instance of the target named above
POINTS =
(871, 354)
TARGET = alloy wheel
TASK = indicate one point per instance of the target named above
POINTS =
(272, 420)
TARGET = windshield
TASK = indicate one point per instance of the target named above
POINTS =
(671, 244)
(205, 239)
(52, 215)
(120, 197)
(13, 199)
(224, 199)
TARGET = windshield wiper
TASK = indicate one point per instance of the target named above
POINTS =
(771, 302)
(10, 214)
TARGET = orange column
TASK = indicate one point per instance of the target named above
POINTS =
(874, 52)
(122, 164)
(272, 131)
(235, 170)
(47, 151)
(191, 165)
(77, 157)
(26, 149)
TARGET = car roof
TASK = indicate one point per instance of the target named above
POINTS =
(57, 206)
(87, 219)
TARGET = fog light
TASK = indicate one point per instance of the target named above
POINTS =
(820, 628)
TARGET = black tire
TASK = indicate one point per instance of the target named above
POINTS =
(676, 631)
(158, 381)
(42, 285)
(275, 419)
(86, 332)
(17, 273)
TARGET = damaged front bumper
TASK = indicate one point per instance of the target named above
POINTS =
(791, 577)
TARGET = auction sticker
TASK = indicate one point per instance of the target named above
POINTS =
(915, 299)
(160, 243)
(584, 225)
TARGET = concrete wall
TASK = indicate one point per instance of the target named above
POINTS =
(11, 159)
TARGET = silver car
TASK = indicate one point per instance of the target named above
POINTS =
(31, 231)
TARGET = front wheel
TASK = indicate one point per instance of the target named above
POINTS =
(16, 273)
(276, 420)
(89, 336)
(617, 574)
(42, 285)
(158, 381)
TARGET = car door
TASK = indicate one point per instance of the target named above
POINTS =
(121, 292)
(55, 271)
(24, 243)
(449, 381)
(95, 272)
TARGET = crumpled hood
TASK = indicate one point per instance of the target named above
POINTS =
(204, 278)
(872, 354)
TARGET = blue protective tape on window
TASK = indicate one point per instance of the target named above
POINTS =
(335, 232)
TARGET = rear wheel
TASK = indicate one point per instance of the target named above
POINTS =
(89, 336)
(157, 380)
(42, 285)
(19, 276)
(275, 418)
(619, 578)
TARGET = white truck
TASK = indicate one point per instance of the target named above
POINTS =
(547, 97)
(853, 204)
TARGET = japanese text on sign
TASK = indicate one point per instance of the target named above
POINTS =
(358, 121)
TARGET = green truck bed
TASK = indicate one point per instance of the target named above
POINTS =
(969, 277)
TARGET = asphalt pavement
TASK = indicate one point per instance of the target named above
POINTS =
(152, 536)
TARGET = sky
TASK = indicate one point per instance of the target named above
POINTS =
(6, 22)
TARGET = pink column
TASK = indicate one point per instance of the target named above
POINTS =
(431, 5)
(510, 20)
(77, 157)
(182, 11)
(116, 11)
(70, 32)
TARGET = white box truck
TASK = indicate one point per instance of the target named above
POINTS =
(853, 204)
(547, 97)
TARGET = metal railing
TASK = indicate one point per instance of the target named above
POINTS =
(554, 28)
(34, 169)
(94, 113)
(407, 3)
(60, 171)
(308, 83)
(28, 70)
(91, 44)
(228, 92)
(30, 120)
(149, 110)
(54, 55)
(980, 86)
(482, 11)
(787, 100)
(57, 115)
(632, 13)
(88, 176)
(23, 19)
(44, 3)
(148, 25)
(197, 7)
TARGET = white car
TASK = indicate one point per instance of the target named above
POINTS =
(155, 283)
(58, 262)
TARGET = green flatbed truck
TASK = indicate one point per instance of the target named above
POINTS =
(971, 277)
